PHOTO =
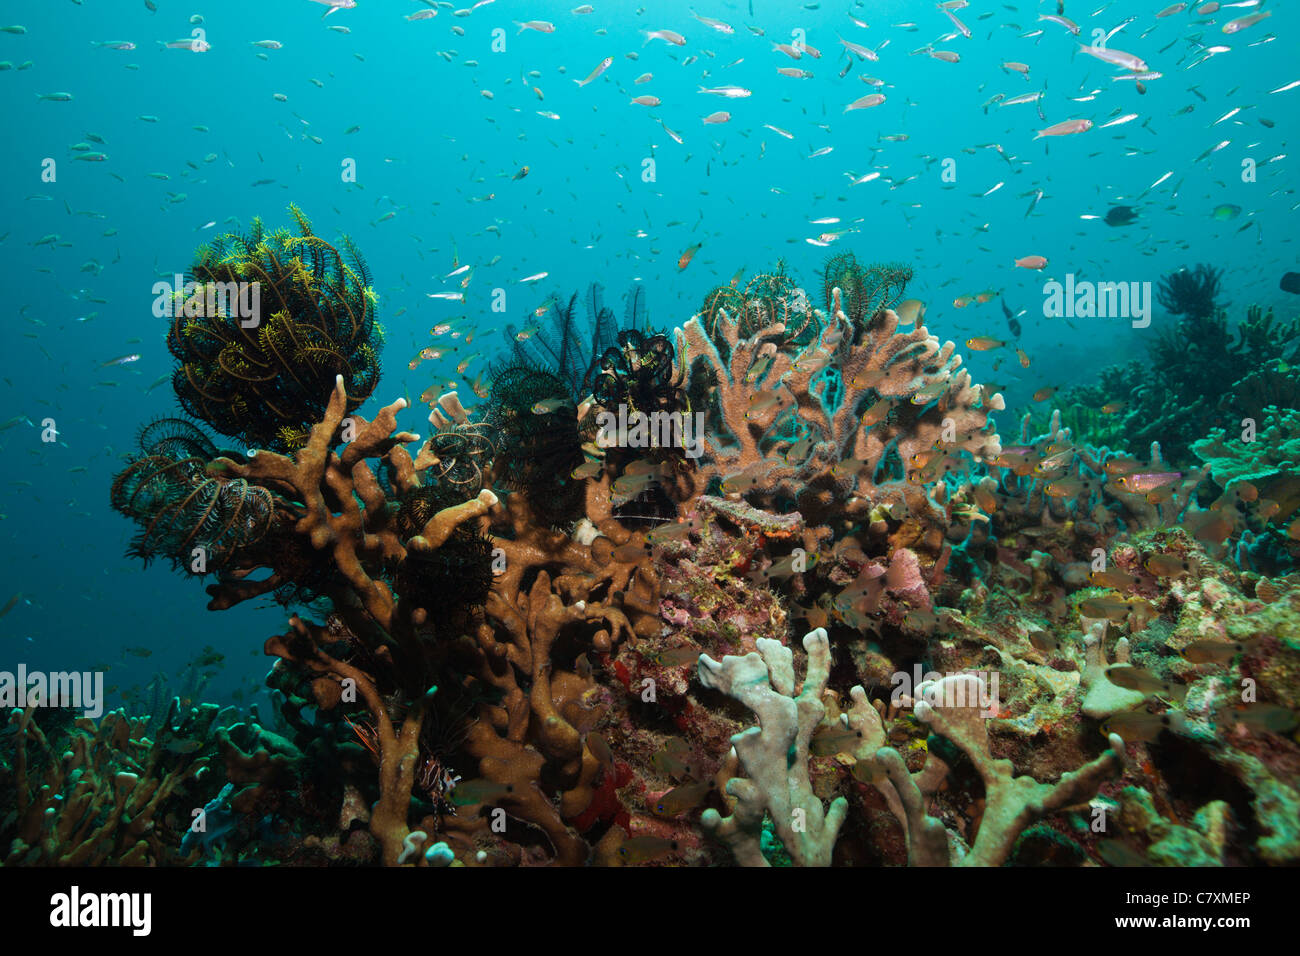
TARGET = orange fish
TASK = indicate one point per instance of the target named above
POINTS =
(1032, 262)
(687, 256)
(982, 343)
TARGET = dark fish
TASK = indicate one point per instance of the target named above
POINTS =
(643, 848)
(1121, 854)
(1134, 678)
(681, 799)
(1261, 717)
(11, 604)
(473, 792)
(1291, 283)
(1120, 216)
(1012, 322)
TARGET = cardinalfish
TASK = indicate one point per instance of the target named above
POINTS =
(682, 799)
(672, 531)
(760, 402)
(931, 471)
(1112, 578)
(1044, 642)
(742, 481)
(1143, 727)
(588, 469)
(1056, 461)
(642, 849)
(1116, 608)
(829, 741)
(1019, 461)
(632, 552)
(783, 569)
(549, 405)
(1217, 652)
(983, 343)
(1166, 566)
(1144, 682)
(1261, 718)
(1065, 488)
(930, 393)
(878, 412)
(848, 468)
(629, 486)
(675, 760)
(673, 657)
(1145, 482)
(1121, 466)
(798, 451)
(759, 369)
(985, 499)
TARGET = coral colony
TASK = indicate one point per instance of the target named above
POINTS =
(767, 589)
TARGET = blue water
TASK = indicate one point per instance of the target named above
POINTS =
(431, 146)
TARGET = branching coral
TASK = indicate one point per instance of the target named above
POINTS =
(805, 426)
(774, 755)
(950, 708)
(524, 626)
(100, 801)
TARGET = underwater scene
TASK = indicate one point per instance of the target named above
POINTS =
(650, 433)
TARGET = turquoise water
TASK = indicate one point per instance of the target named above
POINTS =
(435, 189)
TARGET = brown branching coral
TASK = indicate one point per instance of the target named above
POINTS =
(794, 432)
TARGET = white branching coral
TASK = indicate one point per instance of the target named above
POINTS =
(774, 755)
(951, 708)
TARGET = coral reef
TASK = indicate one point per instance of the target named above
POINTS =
(1201, 374)
(536, 639)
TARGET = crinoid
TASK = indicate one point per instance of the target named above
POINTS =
(864, 290)
(569, 344)
(1191, 293)
(265, 378)
(767, 299)
(465, 451)
(533, 421)
(452, 577)
(772, 297)
(638, 373)
(195, 519)
(723, 298)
